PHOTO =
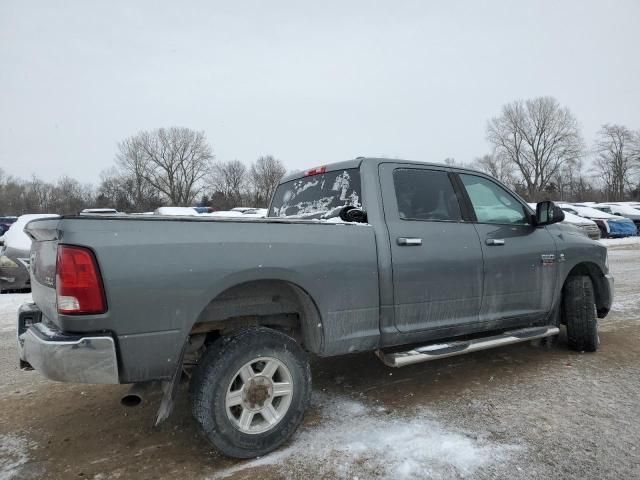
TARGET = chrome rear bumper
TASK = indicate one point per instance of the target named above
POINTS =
(63, 357)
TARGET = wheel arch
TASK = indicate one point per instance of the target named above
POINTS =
(595, 273)
(272, 302)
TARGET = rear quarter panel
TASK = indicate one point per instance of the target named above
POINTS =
(160, 274)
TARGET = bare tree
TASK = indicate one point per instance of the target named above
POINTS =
(126, 192)
(265, 174)
(38, 195)
(497, 166)
(617, 160)
(536, 137)
(230, 180)
(172, 160)
(69, 196)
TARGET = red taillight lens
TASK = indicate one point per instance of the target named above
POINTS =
(78, 285)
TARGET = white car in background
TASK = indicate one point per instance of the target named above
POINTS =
(588, 227)
(15, 254)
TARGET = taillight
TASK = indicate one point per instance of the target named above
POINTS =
(315, 171)
(78, 284)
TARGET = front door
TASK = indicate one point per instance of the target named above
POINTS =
(520, 264)
(436, 256)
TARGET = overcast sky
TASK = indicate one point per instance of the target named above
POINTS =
(309, 82)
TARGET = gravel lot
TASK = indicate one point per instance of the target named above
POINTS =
(518, 412)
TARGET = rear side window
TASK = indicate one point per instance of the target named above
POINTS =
(492, 203)
(317, 194)
(425, 195)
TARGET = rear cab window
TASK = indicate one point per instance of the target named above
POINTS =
(313, 196)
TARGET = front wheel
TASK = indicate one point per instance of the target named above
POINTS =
(579, 314)
(250, 391)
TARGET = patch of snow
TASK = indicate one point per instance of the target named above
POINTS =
(177, 211)
(9, 304)
(339, 220)
(14, 453)
(15, 236)
(256, 212)
(586, 212)
(225, 213)
(614, 242)
(354, 440)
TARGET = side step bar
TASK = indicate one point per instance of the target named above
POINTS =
(449, 349)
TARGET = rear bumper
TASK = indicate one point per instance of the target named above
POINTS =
(63, 357)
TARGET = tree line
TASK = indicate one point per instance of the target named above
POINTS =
(167, 166)
(536, 147)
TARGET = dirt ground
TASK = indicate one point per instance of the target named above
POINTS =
(518, 412)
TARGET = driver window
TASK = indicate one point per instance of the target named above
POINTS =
(425, 195)
(492, 203)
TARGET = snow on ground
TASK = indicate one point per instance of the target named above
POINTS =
(9, 304)
(614, 242)
(353, 440)
(14, 454)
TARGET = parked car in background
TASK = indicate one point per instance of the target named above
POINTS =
(14, 255)
(176, 211)
(100, 211)
(626, 211)
(586, 226)
(609, 225)
(5, 223)
(203, 209)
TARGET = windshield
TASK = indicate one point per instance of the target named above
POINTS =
(318, 194)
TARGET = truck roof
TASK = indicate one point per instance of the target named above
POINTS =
(356, 162)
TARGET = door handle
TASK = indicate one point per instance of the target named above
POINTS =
(493, 242)
(409, 241)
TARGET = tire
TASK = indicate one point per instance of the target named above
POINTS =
(244, 411)
(579, 314)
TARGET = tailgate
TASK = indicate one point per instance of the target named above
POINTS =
(45, 235)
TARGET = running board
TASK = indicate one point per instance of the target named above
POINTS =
(449, 349)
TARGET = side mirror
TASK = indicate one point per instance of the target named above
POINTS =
(350, 213)
(548, 213)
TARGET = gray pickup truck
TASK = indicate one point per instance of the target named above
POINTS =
(412, 261)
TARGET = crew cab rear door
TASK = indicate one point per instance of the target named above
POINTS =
(520, 264)
(436, 256)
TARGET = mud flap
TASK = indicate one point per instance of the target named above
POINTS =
(170, 388)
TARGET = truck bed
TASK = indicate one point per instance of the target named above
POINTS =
(161, 273)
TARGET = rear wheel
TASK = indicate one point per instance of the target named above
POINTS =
(250, 391)
(579, 314)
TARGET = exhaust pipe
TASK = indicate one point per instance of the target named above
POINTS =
(135, 395)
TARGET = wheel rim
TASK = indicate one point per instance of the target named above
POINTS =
(259, 395)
